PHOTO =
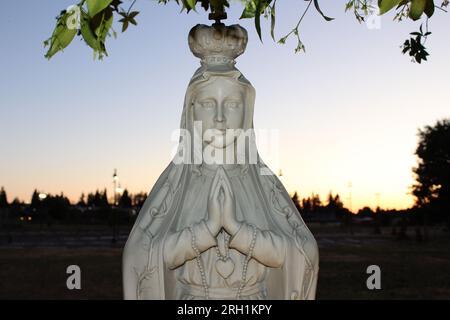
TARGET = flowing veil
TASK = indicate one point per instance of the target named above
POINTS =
(145, 275)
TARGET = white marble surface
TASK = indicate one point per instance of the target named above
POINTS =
(216, 225)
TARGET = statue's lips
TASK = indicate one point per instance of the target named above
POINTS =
(220, 137)
(217, 132)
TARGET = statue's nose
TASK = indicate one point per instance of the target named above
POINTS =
(219, 115)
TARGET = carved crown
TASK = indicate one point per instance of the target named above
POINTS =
(217, 44)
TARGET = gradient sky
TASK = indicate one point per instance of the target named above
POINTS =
(347, 111)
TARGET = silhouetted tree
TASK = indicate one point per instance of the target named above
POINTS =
(3, 198)
(104, 199)
(125, 200)
(16, 203)
(98, 199)
(35, 201)
(334, 203)
(58, 206)
(81, 202)
(365, 212)
(316, 204)
(91, 200)
(432, 187)
(139, 199)
(296, 200)
(306, 205)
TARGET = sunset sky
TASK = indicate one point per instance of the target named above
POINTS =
(347, 111)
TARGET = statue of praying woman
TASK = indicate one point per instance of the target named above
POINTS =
(218, 224)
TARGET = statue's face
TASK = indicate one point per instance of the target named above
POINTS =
(219, 105)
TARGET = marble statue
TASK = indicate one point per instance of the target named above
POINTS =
(218, 224)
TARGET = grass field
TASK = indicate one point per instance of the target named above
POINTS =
(409, 269)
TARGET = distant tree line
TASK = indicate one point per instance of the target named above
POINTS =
(431, 191)
(93, 208)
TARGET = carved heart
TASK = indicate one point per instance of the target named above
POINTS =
(225, 268)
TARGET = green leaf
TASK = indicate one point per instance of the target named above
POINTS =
(127, 19)
(258, 18)
(62, 36)
(133, 14)
(95, 6)
(249, 10)
(88, 35)
(95, 30)
(272, 20)
(124, 24)
(429, 8)
(186, 6)
(349, 5)
(191, 3)
(132, 21)
(417, 8)
(386, 5)
(100, 19)
(402, 3)
(316, 4)
(105, 25)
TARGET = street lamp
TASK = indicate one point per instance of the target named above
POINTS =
(42, 196)
(115, 181)
(115, 191)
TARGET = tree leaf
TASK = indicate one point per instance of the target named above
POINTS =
(249, 10)
(88, 35)
(95, 6)
(124, 24)
(272, 20)
(416, 9)
(402, 3)
(316, 4)
(429, 8)
(386, 5)
(98, 22)
(62, 36)
(191, 3)
(128, 18)
(105, 25)
(133, 14)
(132, 21)
(258, 18)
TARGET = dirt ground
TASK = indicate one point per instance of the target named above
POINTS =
(409, 269)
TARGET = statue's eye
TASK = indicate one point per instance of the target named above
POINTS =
(207, 104)
(231, 104)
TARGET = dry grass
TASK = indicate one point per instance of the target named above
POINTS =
(410, 270)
